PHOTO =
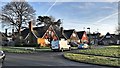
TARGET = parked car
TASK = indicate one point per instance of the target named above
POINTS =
(2, 56)
(73, 44)
(83, 46)
(60, 45)
(5, 43)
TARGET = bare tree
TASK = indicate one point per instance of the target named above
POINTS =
(17, 14)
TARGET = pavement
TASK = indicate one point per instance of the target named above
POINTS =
(43, 59)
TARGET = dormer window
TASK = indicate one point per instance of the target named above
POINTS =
(84, 35)
(107, 36)
(49, 32)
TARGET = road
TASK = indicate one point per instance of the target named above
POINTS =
(41, 59)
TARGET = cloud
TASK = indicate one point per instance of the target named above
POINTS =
(105, 18)
(102, 28)
(105, 24)
(76, 0)
(112, 6)
(83, 5)
(87, 5)
(51, 7)
(51, 3)
(111, 1)
(107, 8)
(66, 0)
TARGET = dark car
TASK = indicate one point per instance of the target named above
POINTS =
(73, 44)
(2, 56)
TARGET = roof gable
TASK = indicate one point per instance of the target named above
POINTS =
(68, 33)
(80, 34)
(40, 31)
(24, 33)
(60, 34)
(117, 37)
(108, 36)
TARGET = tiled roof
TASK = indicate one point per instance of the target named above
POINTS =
(80, 34)
(24, 33)
(68, 33)
(110, 37)
(117, 37)
(40, 31)
(59, 34)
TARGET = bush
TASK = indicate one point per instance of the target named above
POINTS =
(27, 45)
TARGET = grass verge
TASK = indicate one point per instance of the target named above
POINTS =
(44, 49)
(93, 59)
(13, 50)
(111, 51)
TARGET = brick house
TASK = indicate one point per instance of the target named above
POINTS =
(108, 39)
(71, 35)
(82, 36)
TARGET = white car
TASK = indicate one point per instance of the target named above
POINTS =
(2, 56)
(83, 46)
(60, 45)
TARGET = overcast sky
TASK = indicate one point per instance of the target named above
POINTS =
(99, 16)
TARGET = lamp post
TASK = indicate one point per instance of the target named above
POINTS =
(89, 35)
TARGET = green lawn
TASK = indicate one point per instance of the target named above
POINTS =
(24, 50)
(36, 49)
(93, 59)
(103, 56)
(112, 51)
(13, 50)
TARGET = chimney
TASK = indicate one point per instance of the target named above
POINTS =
(61, 31)
(13, 31)
(6, 32)
(30, 26)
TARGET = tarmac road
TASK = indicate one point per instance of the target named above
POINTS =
(42, 59)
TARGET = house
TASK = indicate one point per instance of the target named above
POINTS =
(41, 35)
(94, 38)
(37, 35)
(71, 35)
(6, 38)
(82, 36)
(3, 39)
(46, 35)
(108, 39)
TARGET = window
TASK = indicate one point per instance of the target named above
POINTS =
(107, 36)
(74, 35)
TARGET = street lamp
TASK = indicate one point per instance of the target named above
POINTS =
(89, 34)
